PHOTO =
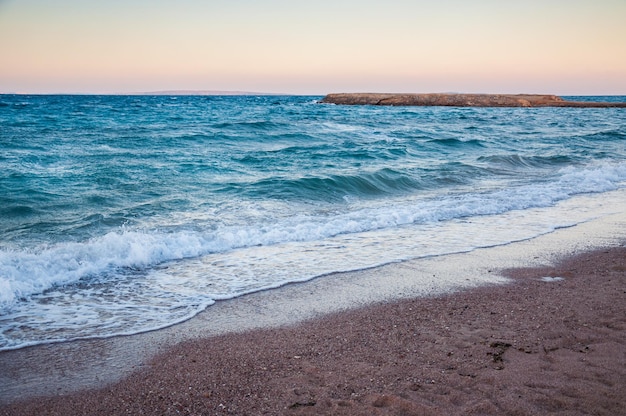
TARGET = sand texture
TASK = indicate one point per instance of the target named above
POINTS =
(462, 100)
(553, 341)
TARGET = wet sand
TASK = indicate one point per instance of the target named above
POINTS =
(549, 340)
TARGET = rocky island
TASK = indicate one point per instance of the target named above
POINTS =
(462, 100)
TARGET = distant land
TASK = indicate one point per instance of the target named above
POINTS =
(167, 92)
(203, 92)
(463, 100)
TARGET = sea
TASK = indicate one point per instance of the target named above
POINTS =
(125, 214)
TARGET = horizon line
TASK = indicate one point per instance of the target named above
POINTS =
(256, 93)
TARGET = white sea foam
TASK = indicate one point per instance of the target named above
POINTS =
(138, 301)
(137, 280)
(550, 279)
(27, 272)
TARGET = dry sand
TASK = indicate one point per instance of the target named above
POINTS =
(552, 340)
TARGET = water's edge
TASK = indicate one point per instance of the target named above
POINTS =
(61, 368)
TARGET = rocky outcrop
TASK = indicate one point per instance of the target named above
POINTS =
(462, 100)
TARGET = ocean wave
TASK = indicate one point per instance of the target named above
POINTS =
(606, 135)
(27, 272)
(258, 125)
(452, 142)
(336, 187)
(520, 161)
(353, 183)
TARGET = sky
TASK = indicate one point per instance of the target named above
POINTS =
(566, 47)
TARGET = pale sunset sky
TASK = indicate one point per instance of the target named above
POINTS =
(565, 47)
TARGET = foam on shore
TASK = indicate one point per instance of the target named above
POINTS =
(65, 367)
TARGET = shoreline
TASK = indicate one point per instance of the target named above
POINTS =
(66, 368)
(462, 100)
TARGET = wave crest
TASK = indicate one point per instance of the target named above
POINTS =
(27, 272)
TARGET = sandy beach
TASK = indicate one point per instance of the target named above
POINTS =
(543, 333)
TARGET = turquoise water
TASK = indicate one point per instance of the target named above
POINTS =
(121, 214)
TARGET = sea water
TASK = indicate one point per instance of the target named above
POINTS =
(123, 214)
